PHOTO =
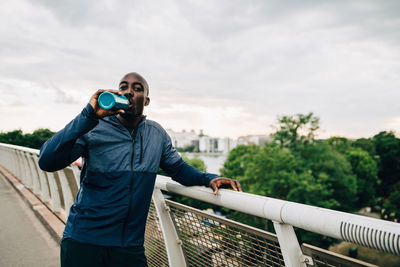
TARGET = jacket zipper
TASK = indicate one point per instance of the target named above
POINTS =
(141, 148)
(130, 190)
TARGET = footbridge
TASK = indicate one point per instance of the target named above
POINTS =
(179, 235)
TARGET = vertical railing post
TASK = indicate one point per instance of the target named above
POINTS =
(44, 186)
(21, 170)
(66, 190)
(16, 164)
(27, 170)
(36, 186)
(54, 193)
(175, 253)
(291, 251)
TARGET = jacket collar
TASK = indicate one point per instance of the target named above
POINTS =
(117, 123)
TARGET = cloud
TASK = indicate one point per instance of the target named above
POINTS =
(251, 59)
(210, 114)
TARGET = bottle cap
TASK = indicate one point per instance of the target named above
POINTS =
(106, 100)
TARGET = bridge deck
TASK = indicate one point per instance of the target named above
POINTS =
(23, 239)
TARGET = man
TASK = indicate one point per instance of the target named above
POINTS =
(122, 153)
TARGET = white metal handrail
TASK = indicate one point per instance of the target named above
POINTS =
(362, 230)
(58, 189)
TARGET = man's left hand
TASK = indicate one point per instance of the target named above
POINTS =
(223, 182)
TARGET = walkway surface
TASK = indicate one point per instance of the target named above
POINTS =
(23, 239)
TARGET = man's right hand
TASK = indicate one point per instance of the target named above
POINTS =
(101, 113)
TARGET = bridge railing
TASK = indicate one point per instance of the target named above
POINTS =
(178, 235)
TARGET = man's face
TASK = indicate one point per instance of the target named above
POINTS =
(136, 91)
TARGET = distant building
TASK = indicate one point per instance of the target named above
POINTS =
(184, 139)
(226, 144)
(258, 140)
(207, 144)
(216, 145)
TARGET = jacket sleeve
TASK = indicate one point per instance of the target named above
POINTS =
(64, 148)
(173, 164)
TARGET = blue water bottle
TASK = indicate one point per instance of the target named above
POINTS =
(112, 101)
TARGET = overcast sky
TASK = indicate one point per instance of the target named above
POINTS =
(229, 67)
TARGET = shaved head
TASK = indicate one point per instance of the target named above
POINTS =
(139, 77)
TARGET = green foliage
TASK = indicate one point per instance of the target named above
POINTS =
(38, 138)
(191, 148)
(32, 140)
(269, 171)
(340, 144)
(366, 170)
(296, 130)
(296, 168)
(360, 155)
(366, 144)
(333, 170)
(15, 137)
(336, 174)
(391, 205)
(238, 160)
(387, 148)
(277, 172)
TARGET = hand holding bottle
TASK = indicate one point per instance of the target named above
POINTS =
(100, 112)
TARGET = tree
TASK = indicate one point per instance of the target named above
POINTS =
(387, 148)
(366, 170)
(332, 169)
(295, 168)
(32, 140)
(277, 172)
(366, 144)
(15, 137)
(329, 167)
(363, 166)
(237, 161)
(38, 138)
(296, 130)
(391, 205)
(340, 144)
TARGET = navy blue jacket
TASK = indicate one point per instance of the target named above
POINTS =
(117, 177)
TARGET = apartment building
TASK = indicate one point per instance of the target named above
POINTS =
(207, 144)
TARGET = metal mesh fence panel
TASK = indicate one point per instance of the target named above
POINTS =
(210, 240)
(154, 241)
(325, 258)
